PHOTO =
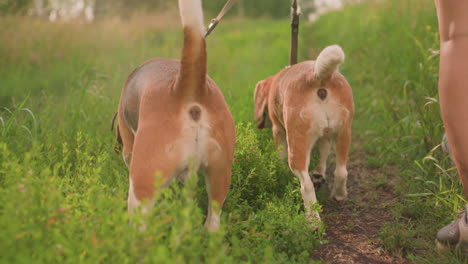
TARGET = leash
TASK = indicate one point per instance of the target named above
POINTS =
(295, 13)
(117, 147)
(113, 122)
(215, 21)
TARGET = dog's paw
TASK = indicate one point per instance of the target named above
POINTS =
(318, 180)
(315, 221)
(212, 227)
(339, 196)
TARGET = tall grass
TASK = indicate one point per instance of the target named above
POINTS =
(63, 189)
(392, 64)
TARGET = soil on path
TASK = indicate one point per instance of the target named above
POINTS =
(352, 226)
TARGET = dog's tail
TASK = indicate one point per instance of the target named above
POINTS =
(192, 75)
(328, 62)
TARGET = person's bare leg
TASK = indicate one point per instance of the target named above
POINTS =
(453, 79)
(453, 94)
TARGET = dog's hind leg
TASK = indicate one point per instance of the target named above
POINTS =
(279, 135)
(133, 202)
(218, 180)
(127, 138)
(153, 166)
(299, 146)
(320, 171)
(343, 142)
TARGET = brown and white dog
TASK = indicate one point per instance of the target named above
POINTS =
(306, 104)
(173, 121)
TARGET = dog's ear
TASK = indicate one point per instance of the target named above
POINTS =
(260, 103)
(328, 62)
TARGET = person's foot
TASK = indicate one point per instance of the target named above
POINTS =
(455, 234)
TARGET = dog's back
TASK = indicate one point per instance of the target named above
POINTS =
(326, 105)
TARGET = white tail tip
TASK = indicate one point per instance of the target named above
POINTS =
(328, 61)
(191, 13)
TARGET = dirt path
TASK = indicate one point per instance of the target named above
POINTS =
(353, 226)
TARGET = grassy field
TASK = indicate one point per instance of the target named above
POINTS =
(63, 189)
(392, 63)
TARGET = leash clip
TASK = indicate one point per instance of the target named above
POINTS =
(213, 24)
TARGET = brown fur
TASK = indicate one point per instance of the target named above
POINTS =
(294, 105)
(160, 100)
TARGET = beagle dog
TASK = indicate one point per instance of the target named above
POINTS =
(306, 104)
(173, 121)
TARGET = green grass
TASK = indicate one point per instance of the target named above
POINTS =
(63, 189)
(392, 65)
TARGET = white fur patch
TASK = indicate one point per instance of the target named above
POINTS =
(339, 191)
(326, 117)
(194, 136)
(191, 13)
(213, 219)
(308, 193)
(193, 144)
(133, 202)
(328, 61)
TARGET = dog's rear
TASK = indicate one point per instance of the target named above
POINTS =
(309, 103)
(173, 121)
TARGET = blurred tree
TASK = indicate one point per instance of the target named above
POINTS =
(267, 8)
(241, 8)
(99, 9)
(14, 6)
(39, 8)
(124, 8)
